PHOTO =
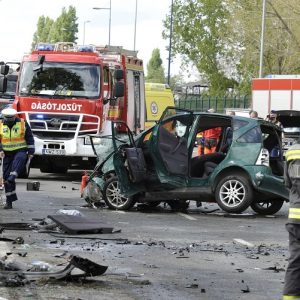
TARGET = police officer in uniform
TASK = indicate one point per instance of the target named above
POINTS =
(16, 146)
(292, 181)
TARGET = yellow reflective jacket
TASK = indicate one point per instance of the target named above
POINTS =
(13, 139)
(292, 181)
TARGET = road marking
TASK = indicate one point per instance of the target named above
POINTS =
(120, 211)
(243, 242)
(186, 216)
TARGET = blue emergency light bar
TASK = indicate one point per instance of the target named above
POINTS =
(44, 47)
(85, 48)
(64, 46)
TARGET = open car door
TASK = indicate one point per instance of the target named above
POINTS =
(168, 146)
(128, 160)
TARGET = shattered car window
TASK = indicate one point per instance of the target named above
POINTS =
(252, 136)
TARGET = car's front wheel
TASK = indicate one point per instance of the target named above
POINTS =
(113, 197)
(269, 207)
(234, 193)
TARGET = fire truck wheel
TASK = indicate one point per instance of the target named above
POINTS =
(269, 207)
(113, 197)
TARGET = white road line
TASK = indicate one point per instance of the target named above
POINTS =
(186, 216)
(243, 242)
(120, 211)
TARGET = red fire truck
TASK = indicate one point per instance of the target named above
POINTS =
(68, 92)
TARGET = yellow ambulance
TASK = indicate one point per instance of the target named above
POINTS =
(158, 96)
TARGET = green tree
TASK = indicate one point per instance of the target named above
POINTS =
(281, 39)
(63, 29)
(43, 28)
(222, 39)
(155, 69)
(200, 36)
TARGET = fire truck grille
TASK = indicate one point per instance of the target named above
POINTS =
(61, 126)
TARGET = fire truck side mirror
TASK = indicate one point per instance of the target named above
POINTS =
(119, 89)
(4, 69)
(119, 74)
(3, 84)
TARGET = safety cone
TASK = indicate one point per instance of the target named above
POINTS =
(83, 184)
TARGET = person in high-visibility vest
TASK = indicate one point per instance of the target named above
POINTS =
(16, 146)
(292, 181)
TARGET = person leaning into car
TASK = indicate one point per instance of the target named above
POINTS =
(292, 181)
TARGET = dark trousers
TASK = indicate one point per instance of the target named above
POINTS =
(13, 165)
(292, 276)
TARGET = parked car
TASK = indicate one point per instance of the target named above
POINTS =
(163, 164)
(290, 121)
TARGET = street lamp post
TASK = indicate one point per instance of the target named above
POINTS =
(170, 43)
(83, 40)
(109, 26)
(134, 38)
(261, 56)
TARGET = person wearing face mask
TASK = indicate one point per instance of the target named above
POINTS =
(16, 146)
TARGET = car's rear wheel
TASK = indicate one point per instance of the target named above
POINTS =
(234, 193)
(113, 197)
(269, 207)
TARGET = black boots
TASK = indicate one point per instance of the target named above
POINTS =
(8, 205)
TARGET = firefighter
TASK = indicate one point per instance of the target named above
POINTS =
(292, 181)
(16, 146)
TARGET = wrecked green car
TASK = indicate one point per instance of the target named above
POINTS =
(166, 163)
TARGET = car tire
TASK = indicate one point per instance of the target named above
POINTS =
(269, 207)
(113, 198)
(234, 193)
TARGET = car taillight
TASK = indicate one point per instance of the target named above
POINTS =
(263, 158)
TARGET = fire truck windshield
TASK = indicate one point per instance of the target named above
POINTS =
(60, 79)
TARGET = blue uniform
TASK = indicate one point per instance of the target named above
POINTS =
(14, 161)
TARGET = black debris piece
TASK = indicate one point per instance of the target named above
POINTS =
(80, 224)
(88, 267)
(192, 286)
(16, 226)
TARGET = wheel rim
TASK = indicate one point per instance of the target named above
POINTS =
(114, 196)
(232, 193)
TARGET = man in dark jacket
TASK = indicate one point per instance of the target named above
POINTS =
(16, 147)
(292, 181)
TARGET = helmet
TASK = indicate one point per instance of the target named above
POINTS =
(9, 112)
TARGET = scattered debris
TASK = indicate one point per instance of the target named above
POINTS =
(33, 186)
(276, 269)
(80, 224)
(192, 286)
(243, 242)
(87, 267)
(245, 287)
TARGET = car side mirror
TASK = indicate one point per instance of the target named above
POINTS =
(3, 84)
(119, 89)
(119, 74)
(4, 69)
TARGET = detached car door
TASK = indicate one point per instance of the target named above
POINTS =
(168, 146)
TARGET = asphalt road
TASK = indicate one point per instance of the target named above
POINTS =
(159, 254)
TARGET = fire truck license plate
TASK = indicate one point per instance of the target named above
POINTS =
(53, 152)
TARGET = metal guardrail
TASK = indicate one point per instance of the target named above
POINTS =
(203, 103)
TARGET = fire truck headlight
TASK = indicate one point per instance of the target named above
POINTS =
(96, 140)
